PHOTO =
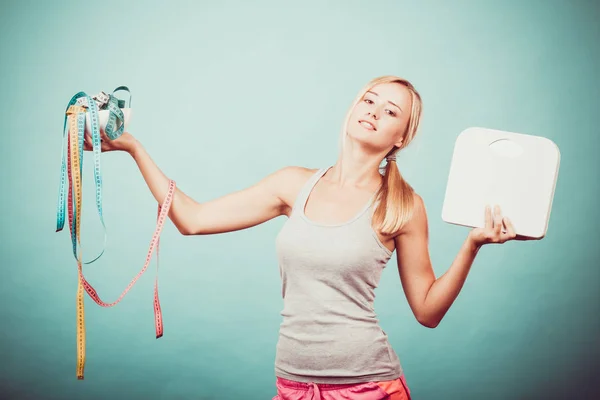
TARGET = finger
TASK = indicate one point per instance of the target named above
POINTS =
(510, 229)
(506, 232)
(106, 145)
(87, 142)
(103, 136)
(92, 140)
(497, 221)
(488, 217)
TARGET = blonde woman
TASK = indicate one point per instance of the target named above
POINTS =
(344, 223)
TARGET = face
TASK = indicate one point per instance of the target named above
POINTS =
(381, 117)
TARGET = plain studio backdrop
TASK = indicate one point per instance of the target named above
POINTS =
(225, 93)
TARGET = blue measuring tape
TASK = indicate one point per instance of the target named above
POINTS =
(80, 108)
(114, 106)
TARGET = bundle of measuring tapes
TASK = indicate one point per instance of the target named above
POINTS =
(88, 115)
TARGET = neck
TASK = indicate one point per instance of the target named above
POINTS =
(356, 169)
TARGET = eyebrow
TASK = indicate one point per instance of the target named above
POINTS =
(369, 91)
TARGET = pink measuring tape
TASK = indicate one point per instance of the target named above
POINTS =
(74, 139)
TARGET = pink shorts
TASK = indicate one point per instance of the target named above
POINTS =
(377, 390)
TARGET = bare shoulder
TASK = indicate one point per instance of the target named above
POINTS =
(290, 180)
(418, 220)
(419, 205)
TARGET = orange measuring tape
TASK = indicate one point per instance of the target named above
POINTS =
(76, 115)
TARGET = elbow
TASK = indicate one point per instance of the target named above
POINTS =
(185, 231)
(191, 231)
(428, 322)
(185, 220)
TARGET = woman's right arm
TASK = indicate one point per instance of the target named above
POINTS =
(235, 211)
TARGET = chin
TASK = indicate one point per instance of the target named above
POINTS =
(361, 137)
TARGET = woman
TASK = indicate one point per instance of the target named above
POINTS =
(344, 223)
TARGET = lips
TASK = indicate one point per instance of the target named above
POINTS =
(363, 122)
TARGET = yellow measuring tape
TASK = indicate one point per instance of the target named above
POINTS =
(74, 158)
(76, 117)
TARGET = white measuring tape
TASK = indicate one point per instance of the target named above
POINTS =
(80, 108)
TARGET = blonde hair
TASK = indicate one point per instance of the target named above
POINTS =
(395, 196)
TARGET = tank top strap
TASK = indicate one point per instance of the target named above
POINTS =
(306, 189)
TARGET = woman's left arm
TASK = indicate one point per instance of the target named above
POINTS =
(430, 298)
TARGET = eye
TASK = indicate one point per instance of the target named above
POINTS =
(368, 101)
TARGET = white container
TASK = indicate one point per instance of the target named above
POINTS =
(103, 120)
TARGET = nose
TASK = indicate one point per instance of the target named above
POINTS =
(374, 115)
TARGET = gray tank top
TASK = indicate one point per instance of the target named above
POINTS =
(330, 332)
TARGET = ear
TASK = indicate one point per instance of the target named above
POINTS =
(398, 144)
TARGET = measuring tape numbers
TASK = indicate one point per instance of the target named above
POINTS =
(82, 107)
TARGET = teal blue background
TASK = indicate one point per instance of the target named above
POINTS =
(225, 93)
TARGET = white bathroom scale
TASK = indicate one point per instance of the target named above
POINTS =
(516, 171)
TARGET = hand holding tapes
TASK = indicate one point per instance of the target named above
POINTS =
(125, 142)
